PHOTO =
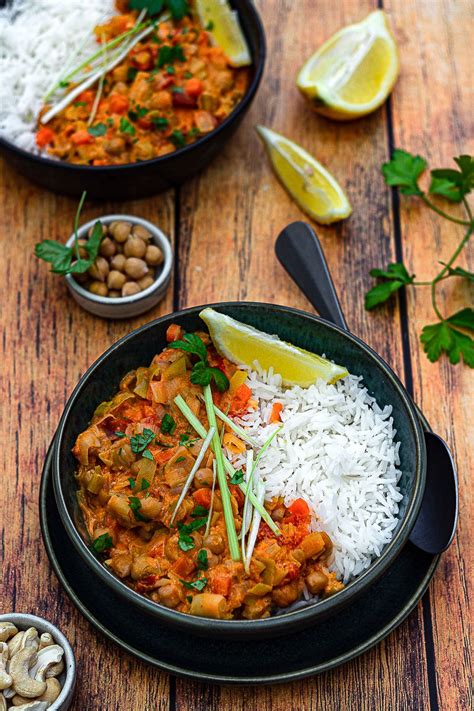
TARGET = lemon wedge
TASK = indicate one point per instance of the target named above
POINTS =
(244, 345)
(354, 71)
(223, 25)
(308, 182)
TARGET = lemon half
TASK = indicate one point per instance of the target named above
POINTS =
(354, 71)
(315, 190)
(244, 345)
(223, 25)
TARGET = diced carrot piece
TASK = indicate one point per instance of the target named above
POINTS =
(221, 585)
(118, 104)
(44, 136)
(174, 333)
(276, 412)
(299, 508)
(183, 566)
(100, 161)
(81, 137)
(202, 497)
(193, 87)
(241, 398)
(86, 96)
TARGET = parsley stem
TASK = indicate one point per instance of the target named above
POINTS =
(431, 205)
(76, 223)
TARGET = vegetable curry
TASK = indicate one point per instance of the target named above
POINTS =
(171, 88)
(136, 458)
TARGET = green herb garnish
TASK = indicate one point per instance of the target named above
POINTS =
(180, 459)
(120, 434)
(80, 103)
(141, 441)
(98, 129)
(187, 75)
(169, 54)
(176, 89)
(177, 8)
(126, 126)
(202, 561)
(237, 478)
(132, 73)
(199, 511)
(202, 373)
(139, 112)
(148, 455)
(102, 543)
(186, 541)
(193, 132)
(131, 482)
(135, 505)
(66, 260)
(199, 584)
(170, 70)
(144, 485)
(168, 425)
(210, 26)
(447, 335)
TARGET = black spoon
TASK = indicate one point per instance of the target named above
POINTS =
(300, 253)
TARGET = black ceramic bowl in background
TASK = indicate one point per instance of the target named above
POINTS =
(101, 381)
(134, 180)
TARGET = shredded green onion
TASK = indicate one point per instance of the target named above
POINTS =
(197, 464)
(221, 476)
(252, 537)
(238, 430)
(211, 507)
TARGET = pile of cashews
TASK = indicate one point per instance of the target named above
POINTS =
(29, 665)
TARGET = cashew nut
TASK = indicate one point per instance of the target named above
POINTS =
(5, 678)
(47, 659)
(7, 630)
(53, 689)
(30, 639)
(33, 706)
(23, 684)
(14, 644)
(45, 640)
(3, 703)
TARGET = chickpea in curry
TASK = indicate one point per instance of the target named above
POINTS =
(172, 88)
(134, 459)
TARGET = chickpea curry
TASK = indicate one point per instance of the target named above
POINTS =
(165, 533)
(172, 87)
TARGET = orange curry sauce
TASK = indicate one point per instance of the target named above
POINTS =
(172, 88)
(134, 459)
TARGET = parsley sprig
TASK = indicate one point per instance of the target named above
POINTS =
(67, 260)
(448, 335)
(186, 541)
(202, 373)
(177, 8)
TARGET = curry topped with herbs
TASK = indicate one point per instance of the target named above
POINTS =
(155, 508)
(170, 89)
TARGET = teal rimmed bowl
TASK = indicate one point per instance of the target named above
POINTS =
(101, 381)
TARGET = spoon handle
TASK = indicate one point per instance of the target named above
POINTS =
(300, 253)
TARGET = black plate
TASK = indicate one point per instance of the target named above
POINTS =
(360, 626)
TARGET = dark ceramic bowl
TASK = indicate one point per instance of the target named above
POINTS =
(101, 381)
(134, 180)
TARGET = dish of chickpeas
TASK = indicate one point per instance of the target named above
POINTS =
(128, 261)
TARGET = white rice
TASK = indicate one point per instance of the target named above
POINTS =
(337, 451)
(37, 38)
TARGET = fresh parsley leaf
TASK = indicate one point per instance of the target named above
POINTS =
(189, 598)
(169, 54)
(140, 442)
(144, 485)
(193, 132)
(131, 73)
(131, 482)
(103, 543)
(56, 254)
(126, 126)
(466, 166)
(120, 434)
(137, 113)
(202, 561)
(237, 477)
(463, 319)
(441, 338)
(160, 122)
(168, 425)
(80, 103)
(187, 75)
(199, 584)
(153, 7)
(180, 459)
(148, 455)
(186, 542)
(178, 8)
(460, 272)
(444, 187)
(170, 69)
(403, 171)
(191, 343)
(199, 511)
(98, 129)
(135, 505)
(176, 89)
(395, 276)
(203, 374)
(210, 26)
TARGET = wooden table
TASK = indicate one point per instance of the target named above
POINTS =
(223, 225)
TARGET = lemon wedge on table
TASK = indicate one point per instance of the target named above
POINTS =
(354, 71)
(223, 25)
(308, 182)
(243, 344)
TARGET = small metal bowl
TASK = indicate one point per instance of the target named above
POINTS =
(126, 306)
(68, 678)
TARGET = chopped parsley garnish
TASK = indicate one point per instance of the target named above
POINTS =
(193, 132)
(160, 122)
(169, 54)
(180, 459)
(199, 511)
(148, 455)
(202, 561)
(139, 112)
(176, 89)
(202, 373)
(210, 26)
(199, 584)
(119, 433)
(178, 139)
(170, 69)
(187, 75)
(80, 103)
(237, 477)
(102, 543)
(126, 126)
(140, 442)
(186, 541)
(99, 129)
(189, 598)
(144, 485)
(135, 505)
(63, 84)
(168, 425)
(131, 482)
(131, 73)
(177, 8)
(186, 442)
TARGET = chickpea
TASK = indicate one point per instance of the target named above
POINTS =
(130, 288)
(120, 72)
(121, 231)
(120, 88)
(118, 262)
(100, 269)
(114, 294)
(169, 595)
(115, 146)
(107, 247)
(144, 150)
(316, 581)
(116, 280)
(215, 543)
(203, 477)
(153, 255)
(134, 247)
(145, 282)
(142, 232)
(135, 268)
(98, 288)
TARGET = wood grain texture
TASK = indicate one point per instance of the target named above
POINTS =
(433, 115)
(228, 219)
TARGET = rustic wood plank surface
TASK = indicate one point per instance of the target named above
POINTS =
(226, 221)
